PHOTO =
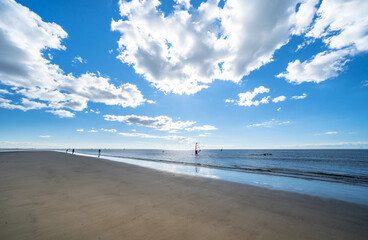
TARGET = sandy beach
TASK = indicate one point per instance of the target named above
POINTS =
(52, 195)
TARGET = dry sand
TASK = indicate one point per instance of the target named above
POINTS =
(50, 195)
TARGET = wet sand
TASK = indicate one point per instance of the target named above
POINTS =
(51, 195)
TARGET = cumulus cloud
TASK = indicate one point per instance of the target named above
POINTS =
(168, 137)
(151, 102)
(304, 95)
(92, 111)
(323, 66)
(279, 99)
(163, 123)
(269, 124)
(183, 3)
(62, 113)
(5, 92)
(93, 131)
(202, 128)
(79, 59)
(80, 130)
(342, 26)
(246, 98)
(24, 42)
(186, 50)
(25, 104)
(109, 130)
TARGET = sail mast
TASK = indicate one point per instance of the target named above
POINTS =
(196, 149)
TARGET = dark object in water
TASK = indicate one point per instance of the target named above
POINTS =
(197, 149)
(261, 154)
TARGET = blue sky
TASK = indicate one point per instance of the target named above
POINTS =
(151, 74)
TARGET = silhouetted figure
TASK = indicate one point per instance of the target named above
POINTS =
(73, 151)
(66, 150)
(197, 149)
(99, 152)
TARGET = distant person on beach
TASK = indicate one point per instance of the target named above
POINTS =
(66, 150)
(99, 152)
(73, 151)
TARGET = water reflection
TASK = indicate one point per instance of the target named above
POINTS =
(345, 192)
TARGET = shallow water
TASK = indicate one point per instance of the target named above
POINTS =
(339, 174)
(345, 166)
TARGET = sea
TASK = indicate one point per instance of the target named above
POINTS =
(335, 173)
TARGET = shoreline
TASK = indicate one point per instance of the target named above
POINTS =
(47, 195)
(353, 193)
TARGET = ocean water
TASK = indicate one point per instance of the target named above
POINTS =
(340, 174)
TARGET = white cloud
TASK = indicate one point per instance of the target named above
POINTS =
(184, 3)
(279, 109)
(331, 144)
(151, 102)
(61, 113)
(109, 130)
(202, 128)
(32, 104)
(134, 130)
(279, 99)
(94, 111)
(25, 40)
(269, 124)
(323, 66)
(168, 137)
(300, 46)
(163, 123)
(45, 136)
(173, 131)
(330, 133)
(79, 59)
(3, 91)
(80, 130)
(93, 131)
(98, 89)
(342, 25)
(204, 134)
(246, 98)
(365, 83)
(304, 95)
(25, 104)
(183, 52)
